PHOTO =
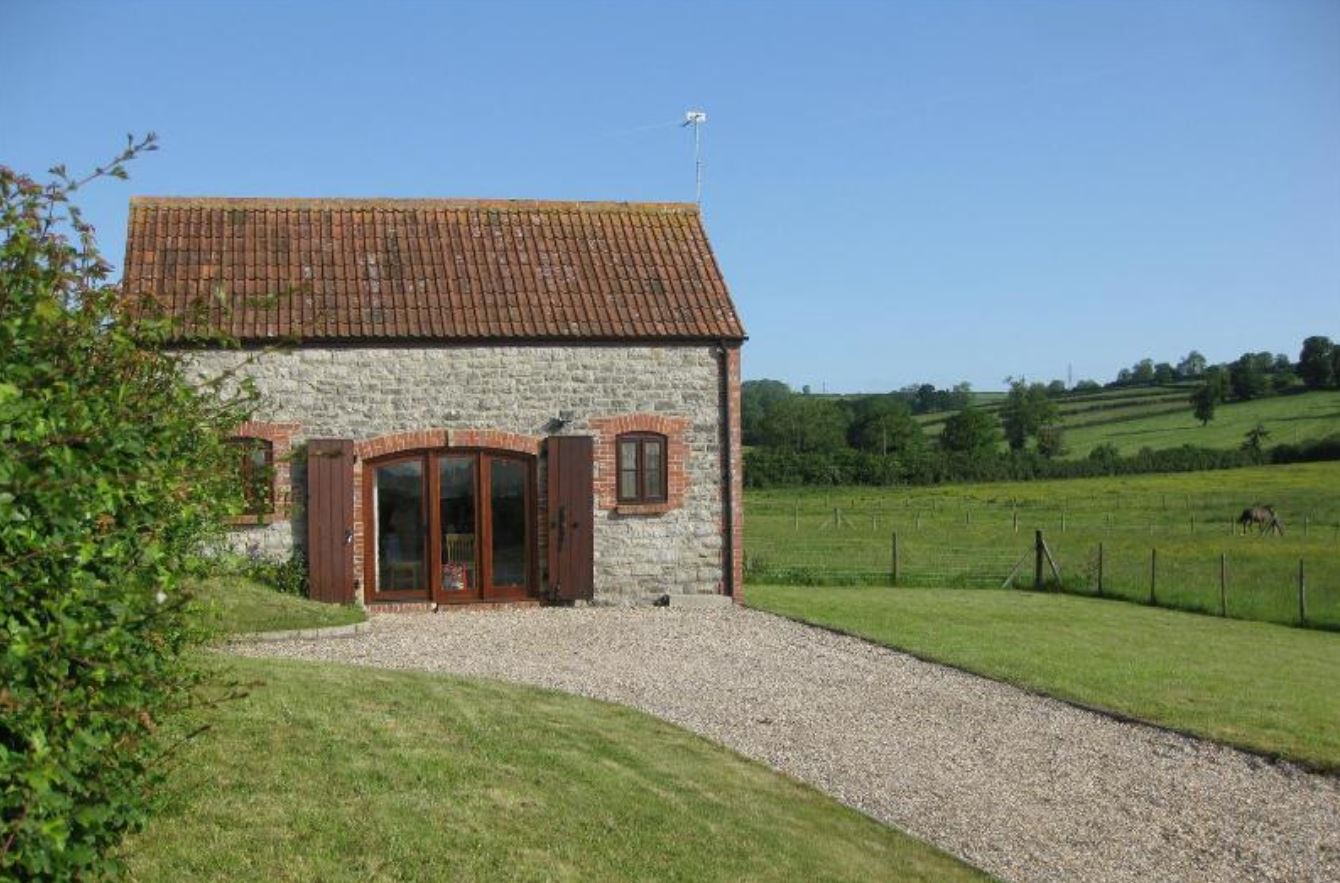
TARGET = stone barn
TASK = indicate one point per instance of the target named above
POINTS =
(467, 401)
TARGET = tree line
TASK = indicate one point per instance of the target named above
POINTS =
(832, 430)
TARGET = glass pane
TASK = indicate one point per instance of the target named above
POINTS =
(257, 477)
(456, 508)
(507, 496)
(397, 503)
(628, 484)
(652, 451)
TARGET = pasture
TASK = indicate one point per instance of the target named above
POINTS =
(1178, 528)
(1160, 417)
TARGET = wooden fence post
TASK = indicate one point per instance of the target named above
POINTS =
(1306, 520)
(837, 517)
(795, 518)
(893, 570)
(1223, 584)
(1153, 575)
(1302, 595)
(1016, 520)
(1193, 523)
(1100, 570)
(1062, 521)
(1037, 563)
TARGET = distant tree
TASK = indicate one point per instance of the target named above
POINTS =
(1087, 386)
(1051, 442)
(1193, 365)
(1026, 410)
(1317, 361)
(971, 430)
(884, 425)
(1164, 374)
(1256, 439)
(1247, 375)
(1143, 372)
(805, 390)
(960, 396)
(757, 397)
(1124, 377)
(804, 424)
(1283, 379)
(1335, 366)
(1056, 388)
(1204, 400)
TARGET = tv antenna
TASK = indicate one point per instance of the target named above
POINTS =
(696, 118)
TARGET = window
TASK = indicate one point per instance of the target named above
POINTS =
(255, 459)
(641, 468)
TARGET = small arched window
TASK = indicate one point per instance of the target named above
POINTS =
(255, 464)
(641, 467)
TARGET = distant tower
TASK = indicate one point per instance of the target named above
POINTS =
(696, 118)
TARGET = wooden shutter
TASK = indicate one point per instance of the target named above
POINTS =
(571, 513)
(330, 520)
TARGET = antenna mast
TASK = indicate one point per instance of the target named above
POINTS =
(696, 118)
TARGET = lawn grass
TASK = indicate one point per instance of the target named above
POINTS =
(339, 773)
(1267, 688)
(964, 535)
(232, 604)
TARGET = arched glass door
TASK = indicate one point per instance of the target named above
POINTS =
(454, 526)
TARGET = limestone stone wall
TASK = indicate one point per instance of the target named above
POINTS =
(363, 392)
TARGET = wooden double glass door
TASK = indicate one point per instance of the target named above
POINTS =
(450, 526)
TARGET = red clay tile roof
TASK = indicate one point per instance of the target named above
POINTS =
(428, 269)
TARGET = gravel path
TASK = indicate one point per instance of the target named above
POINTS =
(1021, 786)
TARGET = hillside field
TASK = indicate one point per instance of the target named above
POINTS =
(1160, 417)
(966, 535)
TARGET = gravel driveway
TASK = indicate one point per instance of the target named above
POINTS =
(1021, 786)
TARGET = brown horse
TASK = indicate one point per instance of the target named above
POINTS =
(1263, 517)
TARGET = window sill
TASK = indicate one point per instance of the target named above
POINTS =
(644, 508)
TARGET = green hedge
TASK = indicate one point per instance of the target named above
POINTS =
(767, 467)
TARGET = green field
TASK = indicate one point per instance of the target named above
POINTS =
(1264, 687)
(1160, 417)
(339, 773)
(965, 535)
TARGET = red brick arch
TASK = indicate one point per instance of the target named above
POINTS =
(608, 429)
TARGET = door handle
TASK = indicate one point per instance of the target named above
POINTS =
(348, 537)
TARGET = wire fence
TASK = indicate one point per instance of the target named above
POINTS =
(1189, 556)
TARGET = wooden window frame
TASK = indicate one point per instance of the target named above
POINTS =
(245, 444)
(485, 592)
(640, 468)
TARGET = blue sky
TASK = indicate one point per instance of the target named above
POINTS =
(897, 192)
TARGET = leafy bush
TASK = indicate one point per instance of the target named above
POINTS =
(288, 575)
(112, 470)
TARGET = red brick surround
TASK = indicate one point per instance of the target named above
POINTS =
(427, 439)
(280, 436)
(608, 429)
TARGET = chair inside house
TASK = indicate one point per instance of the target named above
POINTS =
(459, 548)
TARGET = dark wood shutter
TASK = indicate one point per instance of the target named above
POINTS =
(571, 512)
(330, 520)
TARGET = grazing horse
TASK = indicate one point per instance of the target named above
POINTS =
(1263, 517)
